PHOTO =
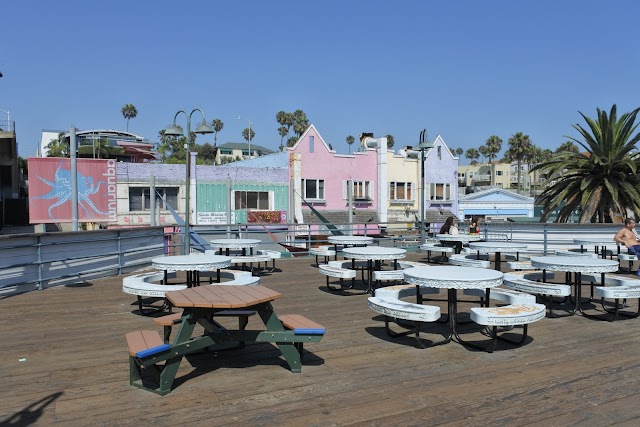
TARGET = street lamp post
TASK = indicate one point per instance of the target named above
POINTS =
(249, 135)
(422, 146)
(175, 130)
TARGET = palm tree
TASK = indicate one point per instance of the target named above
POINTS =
(490, 150)
(129, 111)
(350, 141)
(602, 181)
(248, 134)
(519, 144)
(217, 125)
(567, 146)
(300, 122)
(459, 151)
(473, 155)
(390, 141)
(532, 157)
(58, 147)
(283, 131)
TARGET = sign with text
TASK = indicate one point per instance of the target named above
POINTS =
(214, 218)
(50, 194)
(272, 217)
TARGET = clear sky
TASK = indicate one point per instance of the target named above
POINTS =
(461, 69)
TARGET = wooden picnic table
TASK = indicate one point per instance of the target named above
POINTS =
(200, 305)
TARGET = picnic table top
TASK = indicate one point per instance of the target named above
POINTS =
(223, 297)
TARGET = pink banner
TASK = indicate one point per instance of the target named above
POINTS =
(50, 190)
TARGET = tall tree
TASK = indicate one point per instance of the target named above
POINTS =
(129, 111)
(300, 122)
(519, 145)
(459, 151)
(390, 141)
(292, 141)
(490, 150)
(282, 131)
(601, 182)
(567, 146)
(248, 134)
(473, 155)
(217, 125)
(350, 140)
(58, 147)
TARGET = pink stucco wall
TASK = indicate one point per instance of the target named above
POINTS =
(334, 168)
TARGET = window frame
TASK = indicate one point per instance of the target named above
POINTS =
(393, 191)
(320, 185)
(259, 206)
(145, 198)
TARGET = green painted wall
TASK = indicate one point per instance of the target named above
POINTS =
(213, 197)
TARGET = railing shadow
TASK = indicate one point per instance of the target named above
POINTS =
(31, 413)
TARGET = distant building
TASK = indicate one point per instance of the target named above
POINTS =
(131, 147)
(233, 151)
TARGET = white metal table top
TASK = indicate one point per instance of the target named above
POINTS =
(453, 277)
(235, 243)
(350, 240)
(374, 253)
(192, 262)
(458, 237)
(595, 242)
(574, 264)
(484, 247)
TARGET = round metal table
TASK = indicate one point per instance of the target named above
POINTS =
(192, 264)
(453, 278)
(374, 255)
(235, 244)
(498, 248)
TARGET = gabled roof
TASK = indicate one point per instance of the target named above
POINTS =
(245, 146)
(305, 133)
(495, 194)
(440, 141)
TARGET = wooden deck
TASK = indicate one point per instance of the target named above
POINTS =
(571, 371)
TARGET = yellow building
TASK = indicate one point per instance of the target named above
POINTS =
(480, 175)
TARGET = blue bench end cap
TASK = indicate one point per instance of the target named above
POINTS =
(153, 350)
(309, 331)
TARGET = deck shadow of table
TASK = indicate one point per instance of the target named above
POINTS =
(253, 354)
(428, 330)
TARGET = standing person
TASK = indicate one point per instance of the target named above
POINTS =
(450, 227)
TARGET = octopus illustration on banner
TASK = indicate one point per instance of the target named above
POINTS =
(61, 192)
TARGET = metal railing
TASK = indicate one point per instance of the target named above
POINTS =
(37, 261)
(7, 126)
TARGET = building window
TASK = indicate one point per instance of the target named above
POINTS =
(313, 189)
(140, 198)
(440, 191)
(226, 151)
(361, 190)
(252, 200)
(400, 191)
(498, 173)
(439, 152)
(311, 144)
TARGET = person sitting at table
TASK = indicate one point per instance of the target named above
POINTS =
(629, 237)
(474, 227)
(450, 227)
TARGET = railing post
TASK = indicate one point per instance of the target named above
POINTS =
(39, 245)
(119, 254)
(545, 239)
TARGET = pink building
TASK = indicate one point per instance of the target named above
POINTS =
(320, 175)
